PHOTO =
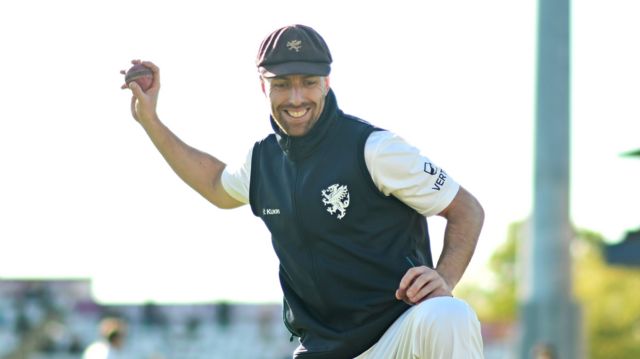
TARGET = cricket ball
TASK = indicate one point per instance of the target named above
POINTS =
(141, 74)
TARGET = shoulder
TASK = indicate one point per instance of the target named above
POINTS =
(353, 121)
(386, 144)
(357, 129)
(380, 137)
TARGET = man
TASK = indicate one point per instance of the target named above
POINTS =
(112, 332)
(345, 203)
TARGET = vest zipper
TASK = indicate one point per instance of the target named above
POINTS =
(294, 333)
(306, 246)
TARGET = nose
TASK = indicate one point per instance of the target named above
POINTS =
(296, 95)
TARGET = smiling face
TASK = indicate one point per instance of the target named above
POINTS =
(296, 101)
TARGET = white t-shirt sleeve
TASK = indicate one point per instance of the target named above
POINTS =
(399, 169)
(236, 179)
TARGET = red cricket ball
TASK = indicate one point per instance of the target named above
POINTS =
(141, 74)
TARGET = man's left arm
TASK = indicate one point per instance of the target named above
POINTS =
(465, 217)
(399, 169)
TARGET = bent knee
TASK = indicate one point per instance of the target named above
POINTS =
(443, 327)
(445, 312)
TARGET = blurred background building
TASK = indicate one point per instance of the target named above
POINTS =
(57, 319)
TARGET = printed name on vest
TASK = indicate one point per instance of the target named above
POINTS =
(270, 211)
(336, 199)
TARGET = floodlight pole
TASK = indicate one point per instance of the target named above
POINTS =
(550, 317)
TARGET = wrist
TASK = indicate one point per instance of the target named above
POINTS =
(449, 279)
(149, 120)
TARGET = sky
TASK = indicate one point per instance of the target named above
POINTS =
(84, 194)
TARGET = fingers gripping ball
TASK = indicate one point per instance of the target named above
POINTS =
(141, 74)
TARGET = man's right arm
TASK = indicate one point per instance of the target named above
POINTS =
(198, 169)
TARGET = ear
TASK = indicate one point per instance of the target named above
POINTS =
(327, 84)
(262, 86)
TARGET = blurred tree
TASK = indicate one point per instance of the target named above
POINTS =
(498, 303)
(609, 295)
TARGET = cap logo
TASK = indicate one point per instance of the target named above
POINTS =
(294, 45)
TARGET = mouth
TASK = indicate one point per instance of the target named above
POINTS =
(296, 114)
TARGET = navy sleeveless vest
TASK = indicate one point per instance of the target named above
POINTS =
(342, 244)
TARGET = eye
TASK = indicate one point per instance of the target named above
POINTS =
(311, 82)
(279, 85)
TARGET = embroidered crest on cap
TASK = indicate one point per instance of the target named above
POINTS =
(336, 199)
(294, 45)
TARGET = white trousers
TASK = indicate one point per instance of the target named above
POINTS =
(438, 328)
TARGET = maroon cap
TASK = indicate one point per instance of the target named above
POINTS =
(294, 49)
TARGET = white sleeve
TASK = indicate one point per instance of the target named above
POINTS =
(399, 169)
(236, 179)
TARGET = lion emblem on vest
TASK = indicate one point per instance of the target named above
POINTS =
(336, 199)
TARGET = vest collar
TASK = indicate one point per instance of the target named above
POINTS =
(299, 147)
